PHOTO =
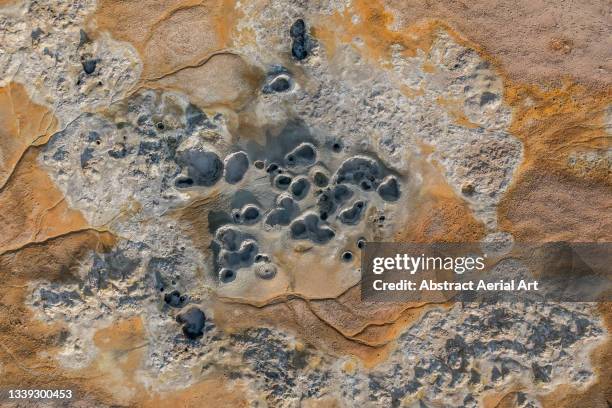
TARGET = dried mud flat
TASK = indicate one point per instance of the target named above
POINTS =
(185, 187)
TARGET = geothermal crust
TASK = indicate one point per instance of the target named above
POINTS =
(186, 189)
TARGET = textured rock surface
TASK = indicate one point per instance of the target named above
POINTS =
(185, 186)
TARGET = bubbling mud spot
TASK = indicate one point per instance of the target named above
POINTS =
(300, 187)
(236, 165)
(203, 167)
(192, 320)
(389, 189)
(353, 214)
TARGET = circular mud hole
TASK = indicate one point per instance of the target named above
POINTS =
(265, 271)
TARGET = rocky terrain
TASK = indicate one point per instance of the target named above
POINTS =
(186, 186)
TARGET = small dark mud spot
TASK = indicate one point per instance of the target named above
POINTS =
(89, 66)
(236, 165)
(174, 298)
(389, 189)
(193, 320)
(300, 46)
(347, 256)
